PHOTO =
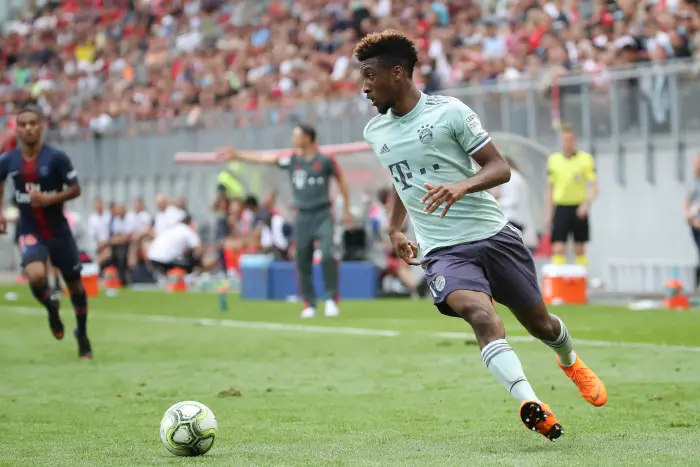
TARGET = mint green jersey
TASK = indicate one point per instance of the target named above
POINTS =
(433, 144)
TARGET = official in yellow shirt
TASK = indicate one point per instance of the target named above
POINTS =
(572, 189)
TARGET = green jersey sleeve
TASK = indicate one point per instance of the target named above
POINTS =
(467, 128)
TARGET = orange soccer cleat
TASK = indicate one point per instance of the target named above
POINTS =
(589, 385)
(537, 416)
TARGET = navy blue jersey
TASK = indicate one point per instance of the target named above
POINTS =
(50, 172)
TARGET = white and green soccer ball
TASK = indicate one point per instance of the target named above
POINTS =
(188, 428)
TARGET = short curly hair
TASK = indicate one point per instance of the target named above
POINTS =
(392, 48)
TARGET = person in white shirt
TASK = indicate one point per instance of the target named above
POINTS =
(514, 197)
(177, 246)
(83, 239)
(167, 216)
(138, 218)
(120, 232)
(272, 236)
(140, 223)
(98, 225)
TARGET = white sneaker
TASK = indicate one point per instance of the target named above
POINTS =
(309, 312)
(331, 309)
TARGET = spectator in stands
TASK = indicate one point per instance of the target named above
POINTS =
(140, 223)
(297, 52)
(178, 246)
(120, 235)
(167, 215)
(139, 219)
(220, 209)
(98, 228)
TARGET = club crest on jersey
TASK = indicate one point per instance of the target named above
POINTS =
(425, 134)
(439, 283)
(43, 171)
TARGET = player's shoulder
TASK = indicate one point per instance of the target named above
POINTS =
(447, 103)
(54, 151)
(586, 156)
(10, 156)
(554, 157)
(374, 125)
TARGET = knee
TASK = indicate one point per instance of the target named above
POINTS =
(477, 311)
(35, 273)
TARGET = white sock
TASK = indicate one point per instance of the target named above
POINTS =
(500, 358)
(564, 345)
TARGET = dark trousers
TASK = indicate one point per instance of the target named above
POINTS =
(311, 226)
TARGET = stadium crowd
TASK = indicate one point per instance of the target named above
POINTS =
(138, 65)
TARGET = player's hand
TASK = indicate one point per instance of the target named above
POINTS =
(439, 194)
(348, 219)
(226, 154)
(3, 225)
(695, 223)
(405, 249)
(38, 199)
(582, 211)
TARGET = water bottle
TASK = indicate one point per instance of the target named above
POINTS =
(223, 298)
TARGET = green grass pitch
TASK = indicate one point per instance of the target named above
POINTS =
(390, 382)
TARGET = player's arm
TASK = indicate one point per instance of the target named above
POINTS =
(475, 141)
(549, 202)
(229, 154)
(592, 182)
(343, 187)
(69, 177)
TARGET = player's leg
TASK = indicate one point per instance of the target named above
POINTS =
(459, 287)
(304, 258)
(513, 278)
(581, 233)
(34, 256)
(64, 255)
(329, 264)
(561, 227)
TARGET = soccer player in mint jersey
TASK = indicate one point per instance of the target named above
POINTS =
(310, 173)
(442, 162)
(44, 179)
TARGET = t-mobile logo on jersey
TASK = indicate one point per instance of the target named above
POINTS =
(401, 172)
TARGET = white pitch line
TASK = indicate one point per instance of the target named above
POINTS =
(229, 323)
(311, 329)
(582, 342)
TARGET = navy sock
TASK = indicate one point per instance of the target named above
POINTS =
(42, 293)
(80, 305)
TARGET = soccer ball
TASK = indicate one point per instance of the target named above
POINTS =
(188, 428)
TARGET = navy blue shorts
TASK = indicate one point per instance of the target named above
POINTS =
(62, 251)
(501, 267)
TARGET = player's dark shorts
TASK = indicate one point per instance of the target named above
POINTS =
(501, 267)
(565, 222)
(62, 251)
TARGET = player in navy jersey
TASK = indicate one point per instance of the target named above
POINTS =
(44, 179)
